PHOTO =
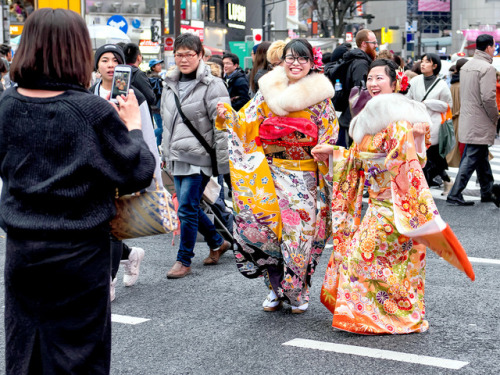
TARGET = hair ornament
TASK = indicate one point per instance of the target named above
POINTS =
(318, 56)
(401, 81)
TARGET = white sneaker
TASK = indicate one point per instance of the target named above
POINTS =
(131, 266)
(112, 292)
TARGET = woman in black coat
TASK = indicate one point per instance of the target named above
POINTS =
(63, 154)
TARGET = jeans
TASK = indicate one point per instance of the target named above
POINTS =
(159, 128)
(189, 191)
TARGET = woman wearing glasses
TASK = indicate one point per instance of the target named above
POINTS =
(198, 92)
(282, 217)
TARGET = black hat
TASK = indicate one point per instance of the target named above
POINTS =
(114, 49)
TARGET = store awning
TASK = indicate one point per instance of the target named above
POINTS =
(442, 42)
(215, 51)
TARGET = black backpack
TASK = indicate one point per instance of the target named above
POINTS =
(157, 85)
(337, 70)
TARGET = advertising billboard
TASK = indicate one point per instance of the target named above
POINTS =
(434, 5)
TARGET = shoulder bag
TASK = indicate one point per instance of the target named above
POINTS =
(210, 150)
(447, 138)
(144, 214)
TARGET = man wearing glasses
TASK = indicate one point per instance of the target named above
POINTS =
(359, 59)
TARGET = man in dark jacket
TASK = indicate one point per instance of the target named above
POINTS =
(237, 82)
(359, 60)
(139, 80)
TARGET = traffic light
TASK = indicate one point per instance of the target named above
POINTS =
(155, 33)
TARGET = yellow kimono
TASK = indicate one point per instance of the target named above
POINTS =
(282, 217)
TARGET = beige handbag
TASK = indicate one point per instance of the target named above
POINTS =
(144, 214)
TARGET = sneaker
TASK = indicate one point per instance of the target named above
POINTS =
(131, 266)
(271, 303)
(112, 291)
(300, 309)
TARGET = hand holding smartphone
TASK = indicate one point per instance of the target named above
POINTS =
(121, 82)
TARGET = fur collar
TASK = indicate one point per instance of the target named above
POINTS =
(384, 109)
(283, 98)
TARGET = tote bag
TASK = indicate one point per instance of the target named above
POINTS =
(446, 134)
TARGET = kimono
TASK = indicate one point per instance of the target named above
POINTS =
(375, 279)
(281, 196)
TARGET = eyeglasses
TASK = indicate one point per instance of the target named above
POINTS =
(290, 59)
(188, 56)
(375, 42)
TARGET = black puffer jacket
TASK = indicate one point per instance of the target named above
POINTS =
(357, 72)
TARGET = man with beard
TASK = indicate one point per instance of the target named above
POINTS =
(359, 59)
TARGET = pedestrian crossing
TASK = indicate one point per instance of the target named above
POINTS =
(472, 191)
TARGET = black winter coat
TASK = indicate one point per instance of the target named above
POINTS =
(357, 72)
(238, 88)
(141, 82)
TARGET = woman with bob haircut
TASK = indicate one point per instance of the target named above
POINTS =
(280, 194)
(436, 95)
(375, 279)
(63, 152)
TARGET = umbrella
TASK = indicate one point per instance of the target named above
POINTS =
(103, 34)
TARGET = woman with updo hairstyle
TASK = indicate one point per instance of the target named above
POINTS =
(375, 279)
(280, 193)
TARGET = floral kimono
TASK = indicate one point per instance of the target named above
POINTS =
(283, 218)
(375, 279)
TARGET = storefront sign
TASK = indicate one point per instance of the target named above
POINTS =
(16, 29)
(148, 47)
(236, 12)
(194, 30)
(292, 15)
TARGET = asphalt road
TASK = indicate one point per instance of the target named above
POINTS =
(211, 322)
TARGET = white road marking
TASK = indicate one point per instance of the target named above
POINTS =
(115, 318)
(377, 353)
(484, 260)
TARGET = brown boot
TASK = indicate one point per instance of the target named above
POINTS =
(178, 271)
(214, 255)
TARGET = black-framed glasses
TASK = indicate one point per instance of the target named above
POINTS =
(290, 59)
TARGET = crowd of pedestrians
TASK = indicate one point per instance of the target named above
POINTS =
(295, 156)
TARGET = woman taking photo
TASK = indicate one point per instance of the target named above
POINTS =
(435, 94)
(374, 283)
(63, 152)
(283, 219)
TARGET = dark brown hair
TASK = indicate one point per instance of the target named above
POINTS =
(260, 62)
(56, 46)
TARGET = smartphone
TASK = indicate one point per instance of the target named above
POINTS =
(121, 82)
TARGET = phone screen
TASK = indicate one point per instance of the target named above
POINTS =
(121, 83)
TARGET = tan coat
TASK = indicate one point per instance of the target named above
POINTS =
(453, 158)
(478, 111)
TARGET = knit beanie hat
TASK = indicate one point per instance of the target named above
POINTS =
(114, 49)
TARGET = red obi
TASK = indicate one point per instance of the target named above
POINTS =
(274, 129)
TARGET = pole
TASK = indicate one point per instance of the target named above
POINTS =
(263, 20)
(177, 27)
(162, 34)
(171, 12)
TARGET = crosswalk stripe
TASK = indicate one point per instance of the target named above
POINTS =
(378, 353)
(115, 318)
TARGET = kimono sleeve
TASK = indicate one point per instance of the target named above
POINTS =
(328, 128)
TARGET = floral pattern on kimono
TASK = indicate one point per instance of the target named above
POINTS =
(375, 279)
(282, 218)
